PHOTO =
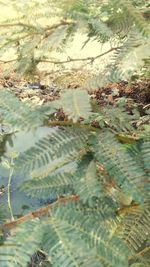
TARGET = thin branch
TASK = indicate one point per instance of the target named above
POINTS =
(129, 209)
(71, 124)
(39, 212)
(9, 189)
(20, 24)
(61, 23)
(8, 61)
(92, 59)
(140, 254)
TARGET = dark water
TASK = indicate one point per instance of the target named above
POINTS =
(20, 142)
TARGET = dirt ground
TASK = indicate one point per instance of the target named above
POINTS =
(137, 92)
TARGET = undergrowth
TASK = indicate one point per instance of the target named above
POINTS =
(100, 215)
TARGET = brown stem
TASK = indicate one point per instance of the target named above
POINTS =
(71, 124)
(61, 23)
(92, 59)
(140, 254)
(20, 24)
(39, 212)
(8, 61)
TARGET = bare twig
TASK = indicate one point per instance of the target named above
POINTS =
(20, 24)
(9, 189)
(91, 59)
(8, 61)
(141, 253)
(39, 212)
(61, 23)
(70, 124)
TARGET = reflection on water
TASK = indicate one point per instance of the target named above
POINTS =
(19, 142)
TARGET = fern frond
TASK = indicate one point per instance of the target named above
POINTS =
(117, 119)
(50, 187)
(133, 15)
(119, 165)
(66, 249)
(57, 149)
(76, 104)
(114, 72)
(130, 42)
(3, 213)
(101, 209)
(86, 182)
(54, 41)
(99, 30)
(140, 152)
(21, 245)
(21, 115)
(134, 227)
(109, 250)
(145, 151)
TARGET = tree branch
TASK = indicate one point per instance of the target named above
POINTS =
(92, 59)
(54, 26)
(19, 24)
(39, 212)
(8, 61)
(70, 124)
(61, 23)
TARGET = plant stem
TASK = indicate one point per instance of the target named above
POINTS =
(91, 59)
(71, 124)
(9, 188)
(39, 212)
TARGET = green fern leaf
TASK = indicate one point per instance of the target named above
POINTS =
(65, 249)
(54, 151)
(119, 165)
(76, 104)
(86, 182)
(21, 115)
(145, 151)
(109, 251)
(50, 187)
(99, 30)
(19, 247)
(134, 227)
(133, 14)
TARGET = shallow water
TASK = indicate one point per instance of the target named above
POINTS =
(21, 141)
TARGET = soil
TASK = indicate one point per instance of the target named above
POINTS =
(137, 92)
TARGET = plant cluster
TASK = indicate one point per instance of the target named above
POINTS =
(98, 177)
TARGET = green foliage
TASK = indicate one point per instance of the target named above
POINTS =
(59, 148)
(135, 227)
(21, 245)
(107, 180)
(22, 115)
(116, 162)
(76, 104)
(116, 118)
(98, 177)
